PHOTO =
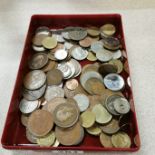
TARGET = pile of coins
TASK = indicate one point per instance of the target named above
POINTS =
(66, 96)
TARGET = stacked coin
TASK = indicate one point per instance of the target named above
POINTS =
(65, 96)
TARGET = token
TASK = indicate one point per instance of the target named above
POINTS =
(72, 84)
(86, 42)
(104, 55)
(40, 123)
(121, 140)
(108, 29)
(49, 42)
(65, 115)
(34, 79)
(88, 119)
(69, 136)
(38, 38)
(111, 128)
(53, 91)
(47, 140)
(96, 46)
(105, 140)
(51, 65)
(91, 56)
(24, 119)
(54, 77)
(114, 82)
(30, 137)
(82, 101)
(60, 54)
(117, 63)
(27, 107)
(93, 31)
(94, 130)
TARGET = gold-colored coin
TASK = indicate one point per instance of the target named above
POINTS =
(93, 31)
(121, 140)
(105, 140)
(51, 65)
(87, 119)
(108, 29)
(49, 42)
(91, 56)
(94, 130)
(117, 63)
(47, 140)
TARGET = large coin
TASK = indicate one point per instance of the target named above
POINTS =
(104, 55)
(34, 79)
(49, 42)
(105, 140)
(40, 123)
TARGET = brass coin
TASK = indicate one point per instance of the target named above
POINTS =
(69, 136)
(24, 119)
(108, 29)
(47, 140)
(93, 31)
(86, 42)
(40, 123)
(105, 140)
(91, 56)
(94, 130)
(54, 77)
(65, 115)
(49, 42)
(51, 65)
(72, 84)
(87, 119)
(117, 63)
(38, 38)
(121, 140)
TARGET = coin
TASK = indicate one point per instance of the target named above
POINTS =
(47, 140)
(137, 140)
(58, 47)
(59, 38)
(117, 54)
(60, 54)
(82, 101)
(24, 119)
(90, 67)
(94, 130)
(30, 137)
(117, 63)
(129, 81)
(65, 115)
(56, 143)
(96, 46)
(40, 123)
(68, 45)
(126, 68)
(27, 107)
(121, 140)
(88, 119)
(102, 115)
(72, 84)
(91, 56)
(86, 42)
(114, 82)
(53, 91)
(38, 48)
(106, 68)
(93, 31)
(104, 55)
(51, 56)
(108, 29)
(38, 38)
(32, 95)
(69, 136)
(121, 104)
(51, 65)
(105, 140)
(78, 53)
(54, 77)
(34, 79)
(49, 42)
(111, 128)
(43, 30)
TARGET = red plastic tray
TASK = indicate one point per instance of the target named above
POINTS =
(14, 132)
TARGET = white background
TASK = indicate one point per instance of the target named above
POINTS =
(139, 25)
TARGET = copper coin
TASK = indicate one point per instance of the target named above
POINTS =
(40, 123)
(54, 77)
(86, 42)
(51, 56)
(38, 38)
(105, 140)
(72, 84)
(51, 65)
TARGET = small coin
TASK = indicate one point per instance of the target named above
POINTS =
(51, 65)
(91, 56)
(82, 101)
(49, 42)
(72, 84)
(102, 115)
(53, 91)
(117, 63)
(137, 140)
(27, 107)
(60, 54)
(86, 42)
(47, 140)
(126, 68)
(96, 46)
(129, 81)
(69, 136)
(38, 48)
(54, 77)
(121, 140)
(38, 38)
(117, 54)
(105, 140)
(112, 127)
(40, 123)
(58, 47)
(93, 31)
(108, 29)
(114, 82)
(68, 45)
(94, 130)
(65, 115)
(24, 119)
(30, 137)
(59, 38)
(34, 79)
(104, 55)
(87, 119)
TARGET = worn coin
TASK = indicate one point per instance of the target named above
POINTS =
(34, 79)
(105, 140)
(117, 63)
(86, 42)
(40, 123)
(68, 45)
(51, 56)
(94, 130)
(91, 56)
(58, 47)
(104, 55)
(51, 65)
(60, 54)
(108, 29)
(49, 42)
(72, 84)
(93, 31)
(96, 46)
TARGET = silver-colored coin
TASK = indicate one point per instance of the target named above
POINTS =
(114, 82)
(90, 74)
(68, 45)
(60, 54)
(30, 137)
(82, 101)
(59, 38)
(53, 91)
(121, 105)
(129, 81)
(117, 54)
(65, 35)
(104, 55)
(38, 49)
(72, 67)
(32, 95)
(79, 53)
(96, 46)
(27, 107)
(43, 30)
(34, 79)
